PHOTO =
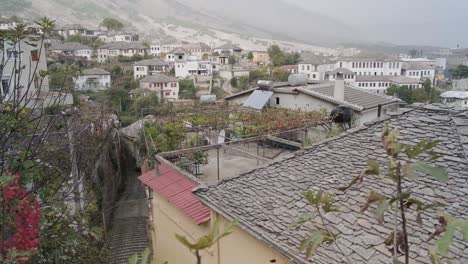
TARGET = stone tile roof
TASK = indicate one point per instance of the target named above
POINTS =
(455, 94)
(123, 45)
(158, 78)
(266, 200)
(150, 62)
(94, 71)
(342, 70)
(387, 78)
(354, 96)
(178, 51)
(70, 46)
(418, 65)
(370, 56)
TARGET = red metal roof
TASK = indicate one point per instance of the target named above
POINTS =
(177, 189)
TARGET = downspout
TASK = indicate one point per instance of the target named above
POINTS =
(379, 110)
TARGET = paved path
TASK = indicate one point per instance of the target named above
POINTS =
(129, 226)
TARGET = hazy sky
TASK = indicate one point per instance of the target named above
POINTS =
(423, 22)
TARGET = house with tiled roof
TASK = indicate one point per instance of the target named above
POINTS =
(166, 87)
(228, 49)
(177, 54)
(420, 69)
(315, 66)
(115, 49)
(148, 67)
(267, 200)
(325, 96)
(73, 49)
(93, 80)
(371, 63)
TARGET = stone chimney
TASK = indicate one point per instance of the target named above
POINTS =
(338, 91)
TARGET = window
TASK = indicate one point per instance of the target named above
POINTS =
(308, 67)
(313, 76)
(5, 86)
(167, 93)
(277, 100)
(341, 64)
(12, 54)
(353, 64)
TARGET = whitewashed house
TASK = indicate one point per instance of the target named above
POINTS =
(199, 50)
(165, 87)
(115, 49)
(149, 67)
(348, 76)
(73, 49)
(228, 49)
(457, 99)
(328, 96)
(421, 69)
(76, 29)
(7, 24)
(163, 47)
(315, 66)
(26, 59)
(371, 64)
(92, 80)
(176, 55)
(193, 67)
(119, 37)
(380, 83)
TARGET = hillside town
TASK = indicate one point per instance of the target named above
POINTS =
(119, 148)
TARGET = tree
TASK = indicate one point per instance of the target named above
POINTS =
(280, 75)
(250, 55)
(244, 83)
(215, 234)
(187, 89)
(37, 182)
(460, 72)
(404, 163)
(428, 94)
(112, 24)
(292, 58)
(144, 102)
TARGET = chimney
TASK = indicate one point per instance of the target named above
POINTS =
(338, 92)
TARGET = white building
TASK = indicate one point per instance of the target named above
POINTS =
(228, 49)
(73, 49)
(371, 64)
(187, 68)
(176, 55)
(163, 47)
(119, 37)
(380, 83)
(7, 24)
(165, 87)
(348, 76)
(460, 85)
(92, 80)
(149, 67)
(327, 96)
(422, 69)
(115, 49)
(28, 88)
(76, 29)
(199, 50)
(315, 66)
(234, 72)
(457, 99)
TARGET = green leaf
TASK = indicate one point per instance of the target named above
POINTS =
(184, 241)
(374, 168)
(310, 244)
(439, 174)
(6, 179)
(304, 218)
(444, 242)
(380, 211)
(133, 259)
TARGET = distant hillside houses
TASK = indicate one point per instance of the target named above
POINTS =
(119, 37)
(149, 67)
(115, 49)
(165, 87)
(73, 49)
(164, 46)
(92, 80)
(67, 31)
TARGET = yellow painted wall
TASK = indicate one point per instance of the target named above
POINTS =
(237, 248)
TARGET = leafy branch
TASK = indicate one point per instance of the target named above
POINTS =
(321, 235)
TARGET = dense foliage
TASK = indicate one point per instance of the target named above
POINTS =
(428, 94)
(280, 58)
(112, 24)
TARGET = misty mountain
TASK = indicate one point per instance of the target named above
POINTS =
(275, 19)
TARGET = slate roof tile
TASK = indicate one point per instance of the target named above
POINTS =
(253, 198)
